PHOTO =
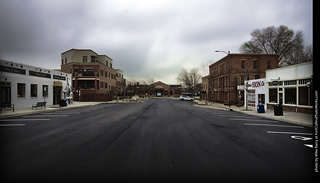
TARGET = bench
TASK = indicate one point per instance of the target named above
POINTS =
(39, 104)
(7, 106)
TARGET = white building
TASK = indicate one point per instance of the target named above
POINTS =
(257, 92)
(24, 85)
(292, 87)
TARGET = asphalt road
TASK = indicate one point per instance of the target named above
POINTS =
(158, 140)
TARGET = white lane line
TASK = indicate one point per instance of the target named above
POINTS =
(250, 119)
(309, 145)
(12, 124)
(41, 116)
(61, 113)
(293, 133)
(285, 126)
(237, 115)
(25, 120)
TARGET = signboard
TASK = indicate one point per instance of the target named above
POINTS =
(13, 70)
(241, 87)
(59, 77)
(39, 74)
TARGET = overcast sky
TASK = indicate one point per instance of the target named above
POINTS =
(145, 38)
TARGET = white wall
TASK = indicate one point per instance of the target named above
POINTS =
(27, 101)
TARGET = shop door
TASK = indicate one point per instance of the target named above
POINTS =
(5, 93)
(56, 94)
(261, 99)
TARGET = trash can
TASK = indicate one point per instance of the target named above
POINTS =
(260, 108)
(278, 111)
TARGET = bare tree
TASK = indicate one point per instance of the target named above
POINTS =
(205, 67)
(189, 79)
(283, 41)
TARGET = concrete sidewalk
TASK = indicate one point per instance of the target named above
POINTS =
(24, 111)
(290, 117)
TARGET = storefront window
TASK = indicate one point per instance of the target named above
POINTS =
(34, 90)
(304, 96)
(290, 96)
(44, 90)
(273, 93)
(21, 89)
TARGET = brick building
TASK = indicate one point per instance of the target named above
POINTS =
(94, 78)
(242, 67)
(158, 89)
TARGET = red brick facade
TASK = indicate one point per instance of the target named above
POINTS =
(242, 67)
(92, 80)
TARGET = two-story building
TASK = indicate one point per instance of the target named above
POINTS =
(94, 78)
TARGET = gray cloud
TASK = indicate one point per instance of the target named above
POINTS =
(144, 38)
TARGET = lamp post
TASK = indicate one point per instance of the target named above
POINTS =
(228, 54)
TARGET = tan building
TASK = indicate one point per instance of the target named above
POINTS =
(94, 78)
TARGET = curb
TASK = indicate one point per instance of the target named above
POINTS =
(44, 110)
(279, 118)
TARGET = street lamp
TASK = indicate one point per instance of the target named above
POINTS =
(228, 54)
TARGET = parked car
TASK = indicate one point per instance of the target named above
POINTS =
(185, 97)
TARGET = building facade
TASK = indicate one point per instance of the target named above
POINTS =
(232, 70)
(205, 88)
(94, 78)
(158, 89)
(24, 85)
(256, 92)
(291, 87)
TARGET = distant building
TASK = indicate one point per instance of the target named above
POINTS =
(240, 68)
(94, 78)
(291, 87)
(158, 89)
(205, 88)
(24, 85)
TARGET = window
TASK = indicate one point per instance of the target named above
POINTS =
(21, 89)
(291, 82)
(242, 64)
(110, 65)
(62, 62)
(66, 60)
(256, 76)
(84, 59)
(290, 96)
(268, 64)
(242, 79)
(101, 72)
(101, 84)
(76, 69)
(254, 64)
(304, 96)
(273, 94)
(107, 64)
(34, 90)
(44, 90)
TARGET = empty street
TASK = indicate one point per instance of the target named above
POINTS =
(161, 139)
